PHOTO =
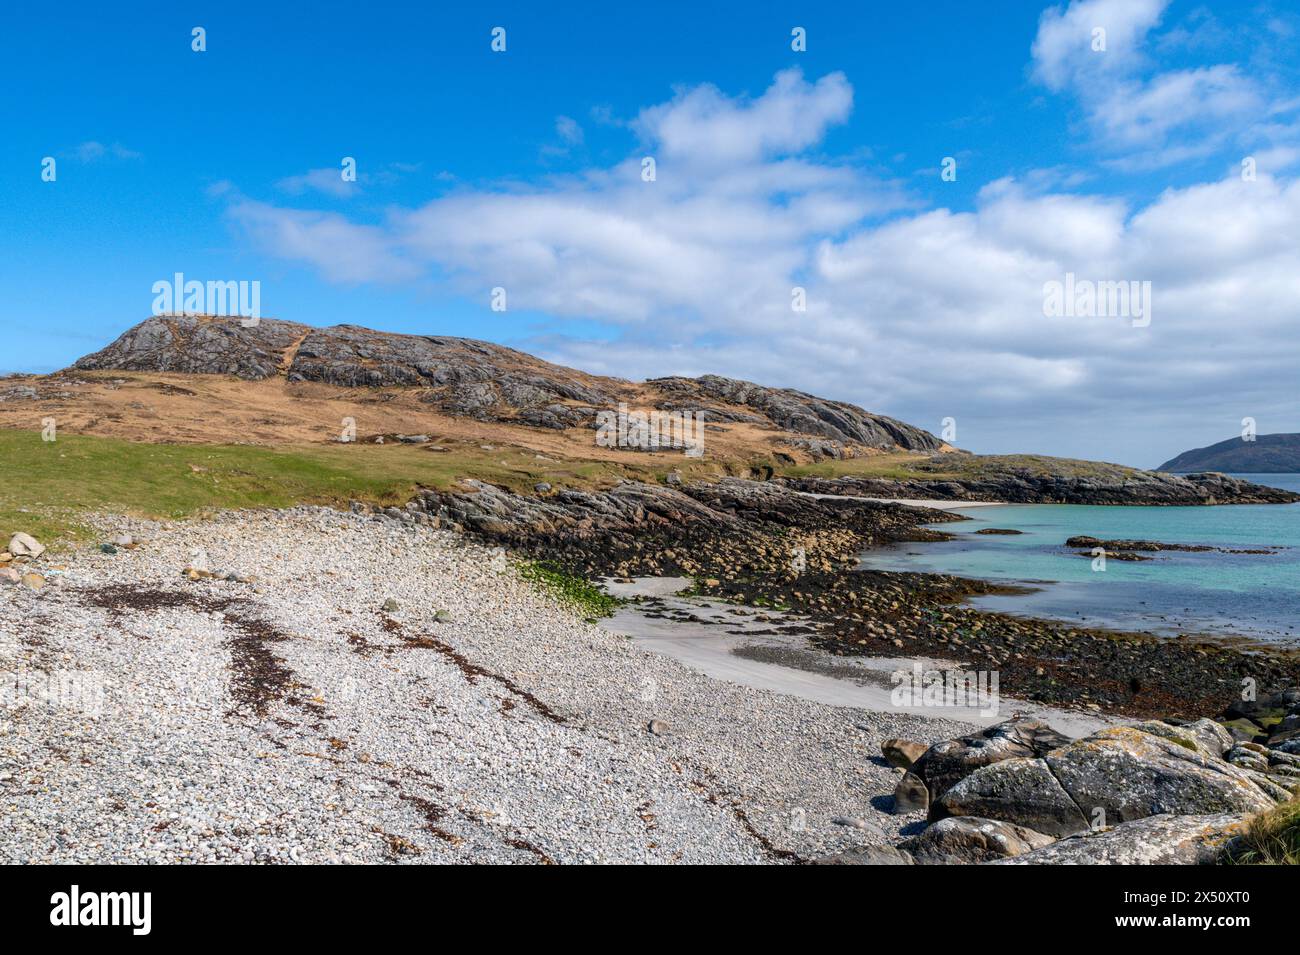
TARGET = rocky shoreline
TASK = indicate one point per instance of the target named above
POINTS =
(768, 545)
(1105, 485)
(315, 686)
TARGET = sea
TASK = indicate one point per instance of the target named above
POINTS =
(1214, 594)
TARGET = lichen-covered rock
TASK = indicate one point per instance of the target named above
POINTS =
(967, 840)
(945, 764)
(1130, 772)
(1155, 840)
(1022, 791)
(1115, 775)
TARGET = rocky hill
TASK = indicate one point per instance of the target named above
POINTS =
(489, 382)
(1267, 454)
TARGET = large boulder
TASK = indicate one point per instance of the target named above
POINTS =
(1022, 791)
(968, 840)
(1155, 840)
(1115, 775)
(945, 764)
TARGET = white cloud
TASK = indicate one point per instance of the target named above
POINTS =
(1145, 117)
(328, 180)
(703, 125)
(567, 128)
(92, 151)
(921, 313)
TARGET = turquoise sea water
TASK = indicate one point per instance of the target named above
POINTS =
(1252, 595)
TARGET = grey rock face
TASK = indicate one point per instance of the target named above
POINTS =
(1155, 840)
(198, 344)
(803, 413)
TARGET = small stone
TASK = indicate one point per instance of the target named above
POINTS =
(541, 487)
(108, 548)
(33, 581)
(390, 605)
(442, 616)
(852, 822)
(24, 545)
(657, 728)
(124, 540)
(10, 576)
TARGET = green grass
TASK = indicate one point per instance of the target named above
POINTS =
(582, 596)
(50, 486)
(1271, 838)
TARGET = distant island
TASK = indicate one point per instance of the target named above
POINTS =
(1267, 454)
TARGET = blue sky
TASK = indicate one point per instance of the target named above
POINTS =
(775, 168)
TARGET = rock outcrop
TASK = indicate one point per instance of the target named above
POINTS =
(481, 380)
(945, 764)
(799, 412)
(1052, 481)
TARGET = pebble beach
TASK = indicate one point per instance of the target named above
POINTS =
(328, 687)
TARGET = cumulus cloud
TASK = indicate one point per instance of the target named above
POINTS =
(918, 312)
(1099, 51)
(703, 125)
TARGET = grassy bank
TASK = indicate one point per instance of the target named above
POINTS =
(53, 484)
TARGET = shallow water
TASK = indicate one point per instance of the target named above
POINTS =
(1252, 595)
